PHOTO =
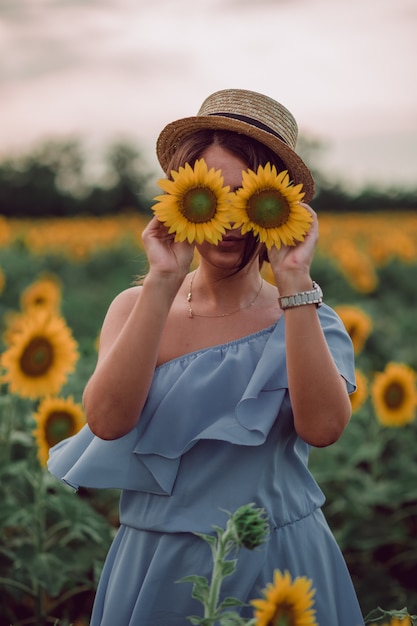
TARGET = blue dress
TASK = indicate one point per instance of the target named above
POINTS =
(216, 432)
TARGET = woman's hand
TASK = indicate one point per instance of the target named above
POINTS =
(164, 254)
(291, 264)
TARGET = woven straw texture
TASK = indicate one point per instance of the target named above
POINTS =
(256, 116)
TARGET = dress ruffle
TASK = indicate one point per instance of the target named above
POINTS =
(243, 382)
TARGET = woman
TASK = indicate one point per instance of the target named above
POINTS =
(209, 390)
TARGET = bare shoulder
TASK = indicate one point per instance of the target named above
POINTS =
(125, 300)
(116, 316)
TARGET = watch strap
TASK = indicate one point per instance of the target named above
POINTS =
(312, 296)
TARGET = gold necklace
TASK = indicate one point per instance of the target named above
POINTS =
(191, 313)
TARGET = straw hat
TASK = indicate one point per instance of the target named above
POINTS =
(248, 113)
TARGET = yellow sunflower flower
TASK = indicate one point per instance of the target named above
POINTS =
(358, 397)
(43, 293)
(357, 323)
(269, 205)
(394, 395)
(286, 602)
(56, 419)
(40, 356)
(195, 205)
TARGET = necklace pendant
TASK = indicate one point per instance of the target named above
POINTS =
(190, 310)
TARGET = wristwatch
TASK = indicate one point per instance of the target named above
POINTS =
(313, 296)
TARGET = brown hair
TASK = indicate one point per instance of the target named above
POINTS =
(249, 150)
(252, 152)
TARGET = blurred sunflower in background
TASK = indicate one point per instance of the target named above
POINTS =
(358, 397)
(40, 356)
(195, 205)
(42, 293)
(56, 419)
(394, 395)
(286, 601)
(357, 323)
(268, 205)
(5, 231)
(2, 280)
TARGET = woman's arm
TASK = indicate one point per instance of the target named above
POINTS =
(130, 338)
(318, 393)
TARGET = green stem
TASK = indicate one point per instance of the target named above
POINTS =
(224, 545)
(70, 594)
(7, 419)
(375, 433)
(215, 584)
(8, 582)
(39, 506)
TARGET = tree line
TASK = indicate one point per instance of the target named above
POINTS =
(56, 180)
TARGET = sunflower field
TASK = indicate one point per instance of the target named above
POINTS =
(57, 279)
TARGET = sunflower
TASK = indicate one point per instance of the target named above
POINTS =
(286, 602)
(195, 205)
(40, 356)
(394, 395)
(357, 323)
(43, 293)
(269, 205)
(56, 419)
(358, 397)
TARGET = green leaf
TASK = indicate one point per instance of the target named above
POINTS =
(232, 619)
(228, 567)
(210, 539)
(200, 590)
(195, 620)
(193, 579)
(228, 602)
(379, 614)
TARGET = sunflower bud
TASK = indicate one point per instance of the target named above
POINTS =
(248, 526)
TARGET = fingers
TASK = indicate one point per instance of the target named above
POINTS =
(300, 255)
(163, 251)
(314, 227)
(155, 228)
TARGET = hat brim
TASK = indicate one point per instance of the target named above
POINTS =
(174, 133)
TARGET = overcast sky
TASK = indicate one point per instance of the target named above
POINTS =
(105, 69)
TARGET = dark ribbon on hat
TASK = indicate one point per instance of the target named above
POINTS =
(252, 122)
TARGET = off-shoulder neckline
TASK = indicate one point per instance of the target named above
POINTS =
(219, 346)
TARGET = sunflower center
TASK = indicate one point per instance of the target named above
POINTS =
(284, 616)
(37, 357)
(199, 205)
(268, 208)
(394, 395)
(59, 426)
